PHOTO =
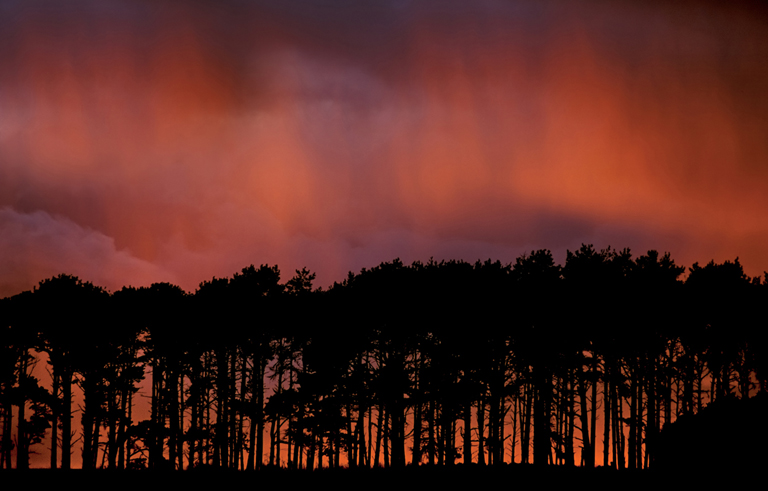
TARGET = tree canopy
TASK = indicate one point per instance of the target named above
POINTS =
(437, 362)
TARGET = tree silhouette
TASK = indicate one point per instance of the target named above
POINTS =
(255, 293)
(18, 387)
(126, 372)
(539, 279)
(69, 314)
(435, 362)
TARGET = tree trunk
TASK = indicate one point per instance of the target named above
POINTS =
(526, 437)
(637, 422)
(607, 419)
(311, 451)
(379, 434)
(66, 422)
(432, 443)
(515, 426)
(397, 437)
(387, 438)
(112, 422)
(233, 413)
(619, 431)
(55, 419)
(651, 425)
(22, 445)
(368, 462)
(593, 427)
(493, 428)
(571, 421)
(156, 428)
(87, 423)
(7, 442)
(467, 437)
(584, 416)
(123, 423)
(481, 430)
(279, 422)
(360, 437)
(272, 444)
(173, 415)
(97, 418)
(221, 446)
(260, 416)
(632, 420)
(541, 420)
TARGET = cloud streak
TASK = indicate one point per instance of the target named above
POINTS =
(202, 139)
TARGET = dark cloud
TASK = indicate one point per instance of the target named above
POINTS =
(37, 245)
(195, 138)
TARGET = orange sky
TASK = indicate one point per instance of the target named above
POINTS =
(142, 141)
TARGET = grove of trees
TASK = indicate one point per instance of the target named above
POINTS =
(430, 363)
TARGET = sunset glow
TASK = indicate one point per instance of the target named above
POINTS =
(142, 141)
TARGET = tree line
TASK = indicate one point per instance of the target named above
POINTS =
(430, 363)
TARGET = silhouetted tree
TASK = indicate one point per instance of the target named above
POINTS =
(70, 316)
(539, 280)
(448, 359)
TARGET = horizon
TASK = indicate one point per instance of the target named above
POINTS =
(284, 278)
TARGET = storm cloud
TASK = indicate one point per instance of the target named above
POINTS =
(185, 140)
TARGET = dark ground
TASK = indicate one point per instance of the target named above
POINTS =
(427, 478)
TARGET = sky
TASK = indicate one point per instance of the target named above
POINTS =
(147, 141)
